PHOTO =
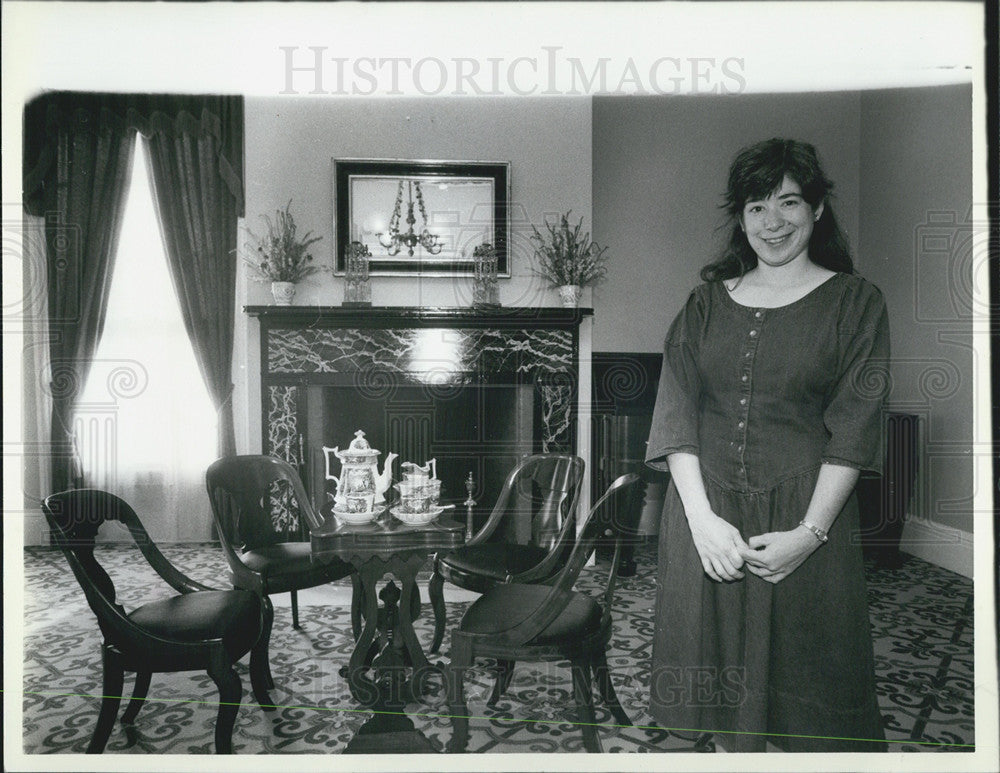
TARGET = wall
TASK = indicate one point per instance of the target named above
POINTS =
(916, 198)
(660, 167)
(290, 144)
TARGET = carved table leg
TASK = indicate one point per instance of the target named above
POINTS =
(391, 661)
(407, 571)
(388, 640)
(362, 688)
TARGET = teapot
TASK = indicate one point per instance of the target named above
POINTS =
(359, 475)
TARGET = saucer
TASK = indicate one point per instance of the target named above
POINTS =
(358, 518)
(416, 519)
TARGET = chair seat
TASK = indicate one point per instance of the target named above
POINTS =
(494, 560)
(504, 606)
(289, 565)
(230, 615)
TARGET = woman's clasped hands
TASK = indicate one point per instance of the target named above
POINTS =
(720, 546)
(724, 553)
(775, 555)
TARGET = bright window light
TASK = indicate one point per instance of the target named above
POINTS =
(145, 413)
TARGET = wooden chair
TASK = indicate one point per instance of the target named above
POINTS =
(545, 489)
(202, 629)
(540, 623)
(244, 492)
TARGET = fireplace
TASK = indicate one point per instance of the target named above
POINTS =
(475, 389)
(483, 429)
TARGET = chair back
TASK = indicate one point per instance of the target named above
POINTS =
(258, 501)
(608, 518)
(75, 517)
(546, 489)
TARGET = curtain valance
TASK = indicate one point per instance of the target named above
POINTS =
(66, 113)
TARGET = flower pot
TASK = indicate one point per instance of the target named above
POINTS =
(570, 295)
(283, 292)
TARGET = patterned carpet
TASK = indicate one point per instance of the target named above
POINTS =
(921, 617)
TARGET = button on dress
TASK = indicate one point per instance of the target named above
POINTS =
(764, 397)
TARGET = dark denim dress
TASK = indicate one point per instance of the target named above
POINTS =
(764, 397)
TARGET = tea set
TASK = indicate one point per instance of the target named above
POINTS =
(361, 488)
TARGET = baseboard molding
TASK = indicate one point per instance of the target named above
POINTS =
(941, 545)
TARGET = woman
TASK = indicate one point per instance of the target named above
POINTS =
(769, 404)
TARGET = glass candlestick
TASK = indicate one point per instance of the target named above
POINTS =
(485, 288)
(357, 287)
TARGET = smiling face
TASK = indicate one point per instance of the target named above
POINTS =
(778, 227)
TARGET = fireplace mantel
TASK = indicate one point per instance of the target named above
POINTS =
(317, 343)
(391, 316)
(542, 354)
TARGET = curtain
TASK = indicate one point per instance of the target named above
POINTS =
(196, 165)
(36, 415)
(78, 163)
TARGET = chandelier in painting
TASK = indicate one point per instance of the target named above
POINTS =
(396, 240)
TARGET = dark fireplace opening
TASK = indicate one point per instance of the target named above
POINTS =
(484, 429)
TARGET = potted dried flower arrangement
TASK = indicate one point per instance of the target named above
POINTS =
(568, 258)
(281, 256)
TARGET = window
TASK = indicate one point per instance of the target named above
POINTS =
(145, 425)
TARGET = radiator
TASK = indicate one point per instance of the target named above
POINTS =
(883, 499)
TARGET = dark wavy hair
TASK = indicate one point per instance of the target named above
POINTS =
(757, 172)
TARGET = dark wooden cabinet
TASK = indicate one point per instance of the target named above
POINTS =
(624, 392)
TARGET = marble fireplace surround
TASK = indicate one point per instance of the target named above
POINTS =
(377, 350)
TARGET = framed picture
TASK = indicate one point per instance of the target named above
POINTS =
(421, 217)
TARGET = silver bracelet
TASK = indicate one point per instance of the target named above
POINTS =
(818, 533)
